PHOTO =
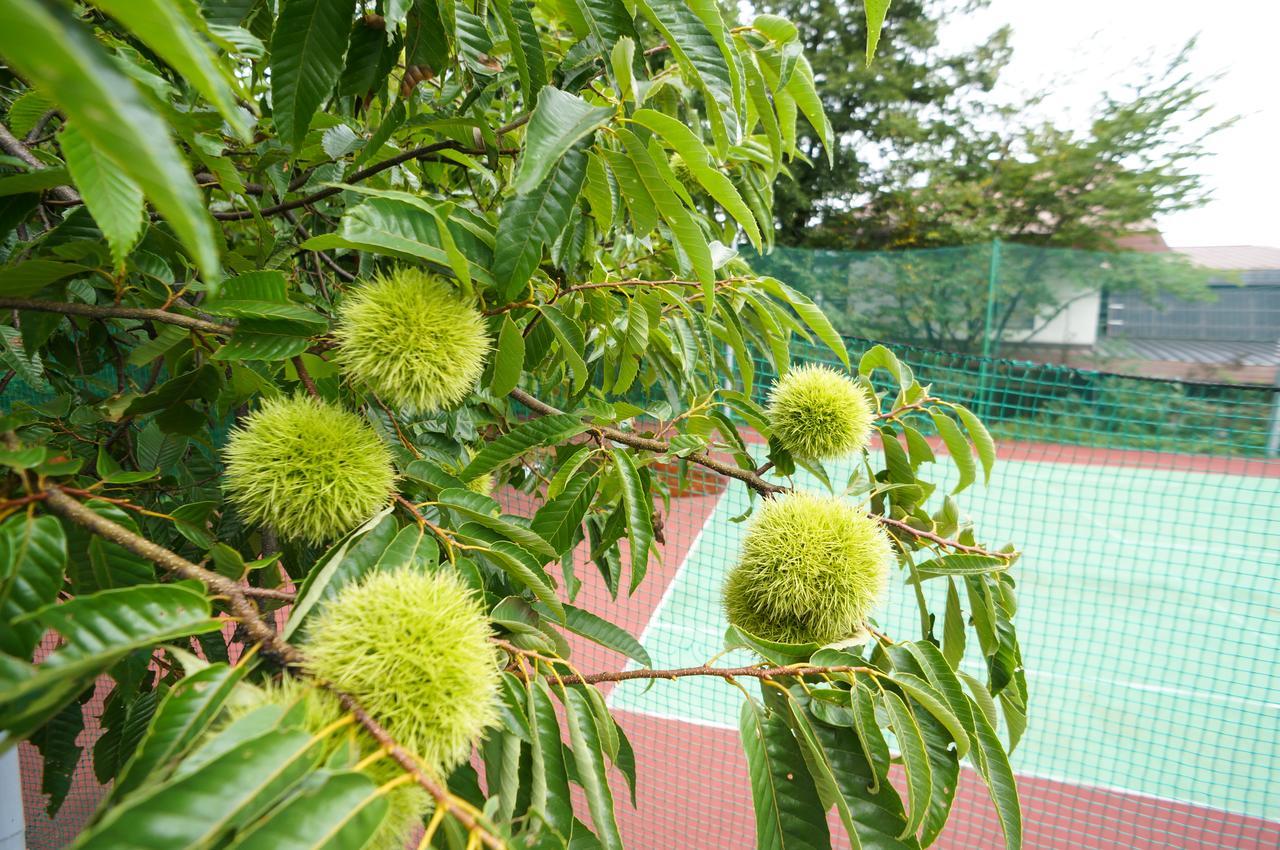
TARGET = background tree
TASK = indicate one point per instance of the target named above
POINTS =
(1007, 174)
(289, 289)
(917, 94)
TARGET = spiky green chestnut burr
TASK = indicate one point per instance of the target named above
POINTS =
(412, 340)
(413, 648)
(407, 803)
(812, 568)
(306, 468)
(817, 413)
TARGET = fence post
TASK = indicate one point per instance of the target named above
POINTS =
(993, 277)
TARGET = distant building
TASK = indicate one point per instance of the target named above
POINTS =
(1235, 337)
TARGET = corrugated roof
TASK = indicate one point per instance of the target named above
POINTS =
(1232, 257)
(1211, 353)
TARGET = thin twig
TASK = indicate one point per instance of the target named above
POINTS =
(747, 476)
(756, 672)
(243, 610)
(305, 377)
(103, 312)
(365, 173)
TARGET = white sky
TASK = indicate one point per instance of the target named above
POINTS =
(1076, 49)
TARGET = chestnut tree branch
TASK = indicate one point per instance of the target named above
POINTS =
(95, 311)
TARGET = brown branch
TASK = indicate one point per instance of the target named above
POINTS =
(410, 766)
(747, 476)
(12, 146)
(269, 593)
(243, 610)
(365, 173)
(305, 377)
(100, 312)
(726, 673)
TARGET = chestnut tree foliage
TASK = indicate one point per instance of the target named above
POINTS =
(188, 192)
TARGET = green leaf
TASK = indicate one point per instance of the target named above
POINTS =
(526, 47)
(400, 227)
(688, 235)
(200, 383)
(874, 11)
(517, 563)
(173, 31)
(639, 512)
(991, 761)
(582, 622)
(789, 815)
(532, 221)
(33, 555)
(559, 519)
(559, 121)
(344, 562)
(686, 143)
(933, 702)
(307, 50)
(543, 431)
(957, 447)
(549, 793)
(701, 58)
(477, 508)
(801, 86)
(508, 359)
(811, 314)
(36, 180)
(61, 58)
(588, 757)
(879, 357)
(953, 628)
(342, 812)
(56, 741)
(960, 564)
(203, 805)
(982, 442)
(816, 759)
(915, 760)
(185, 714)
(572, 343)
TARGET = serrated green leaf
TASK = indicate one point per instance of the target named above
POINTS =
(811, 314)
(347, 560)
(307, 49)
(915, 761)
(957, 446)
(982, 442)
(701, 57)
(559, 121)
(508, 359)
(572, 343)
(991, 761)
(582, 622)
(207, 803)
(549, 793)
(526, 47)
(874, 11)
(639, 514)
(960, 564)
(588, 757)
(789, 815)
(695, 155)
(475, 507)
(186, 713)
(543, 431)
(343, 811)
(33, 555)
(62, 59)
(532, 221)
(559, 519)
(36, 180)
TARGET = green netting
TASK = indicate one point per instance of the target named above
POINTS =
(987, 297)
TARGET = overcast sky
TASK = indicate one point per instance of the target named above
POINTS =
(1076, 49)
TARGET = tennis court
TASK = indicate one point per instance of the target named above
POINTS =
(1142, 616)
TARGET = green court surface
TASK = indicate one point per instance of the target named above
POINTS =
(1180, 702)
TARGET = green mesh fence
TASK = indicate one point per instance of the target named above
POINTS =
(1149, 514)
(997, 297)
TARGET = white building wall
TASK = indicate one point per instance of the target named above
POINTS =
(1077, 324)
